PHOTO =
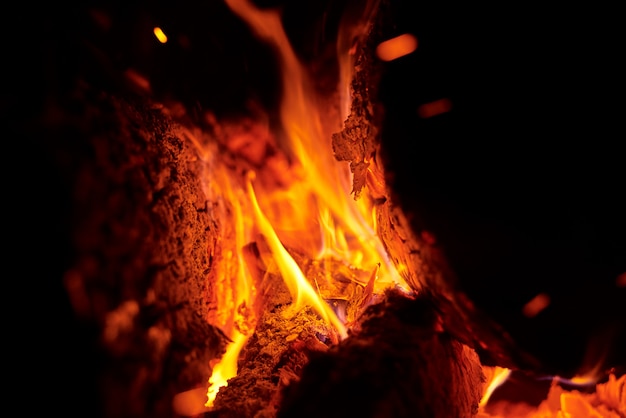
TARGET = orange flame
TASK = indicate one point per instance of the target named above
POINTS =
(294, 278)
(496, 376)
(609, 400)
(311, 212)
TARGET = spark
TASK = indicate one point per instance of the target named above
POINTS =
(397, 47)
(160, 35)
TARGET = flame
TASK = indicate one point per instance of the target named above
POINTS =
(235, 290)
(496, 376)
(293, 276)
(579, 401)
(608, 401)
(319, 192)
(225, 368)
(298, 200)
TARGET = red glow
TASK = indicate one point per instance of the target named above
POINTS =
(428, 110)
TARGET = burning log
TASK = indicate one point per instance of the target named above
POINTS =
(361, 143)
(273, 358)
(398, 362)
(471, 241)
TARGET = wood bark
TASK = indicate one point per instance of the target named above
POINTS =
(502, 207)
(362, 143)
(397, 362)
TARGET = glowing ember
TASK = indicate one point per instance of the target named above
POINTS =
(160, 35)
(396, 47)
(536, 305)
(428, 110)
(608, 401)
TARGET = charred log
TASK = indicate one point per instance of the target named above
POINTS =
(490, 233)
(398, 362)
(136, 277)
(273, 357)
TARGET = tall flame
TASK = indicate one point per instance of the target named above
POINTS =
(293, 276)
(313, 213)
(321, 184)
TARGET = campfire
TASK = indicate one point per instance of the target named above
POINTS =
(264, 249)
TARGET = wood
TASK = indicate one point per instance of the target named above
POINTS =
(273, 357)
(143, 237)
(364, 143)
(504, 224)
(398, 363)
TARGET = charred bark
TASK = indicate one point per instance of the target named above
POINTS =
(136, 280)
(274, 356)
(397, 363)
(491, 229)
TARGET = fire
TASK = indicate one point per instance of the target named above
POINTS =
(298, 285)
(295, 198)
(608, 400)
(496, 376)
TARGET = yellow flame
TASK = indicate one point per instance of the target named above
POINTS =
(233, 287)
(225, 369)
(298, 285)
(496, 376)
(321, 182)
(314, 213)
(609, 400)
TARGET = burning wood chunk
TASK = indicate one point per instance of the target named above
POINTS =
(273, 356)
(397, 364)
(358, 141)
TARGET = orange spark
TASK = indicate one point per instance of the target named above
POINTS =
(536, 305)
(428, 110)
(397, 47)
(160, 35)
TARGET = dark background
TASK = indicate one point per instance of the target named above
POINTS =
(523, 181)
